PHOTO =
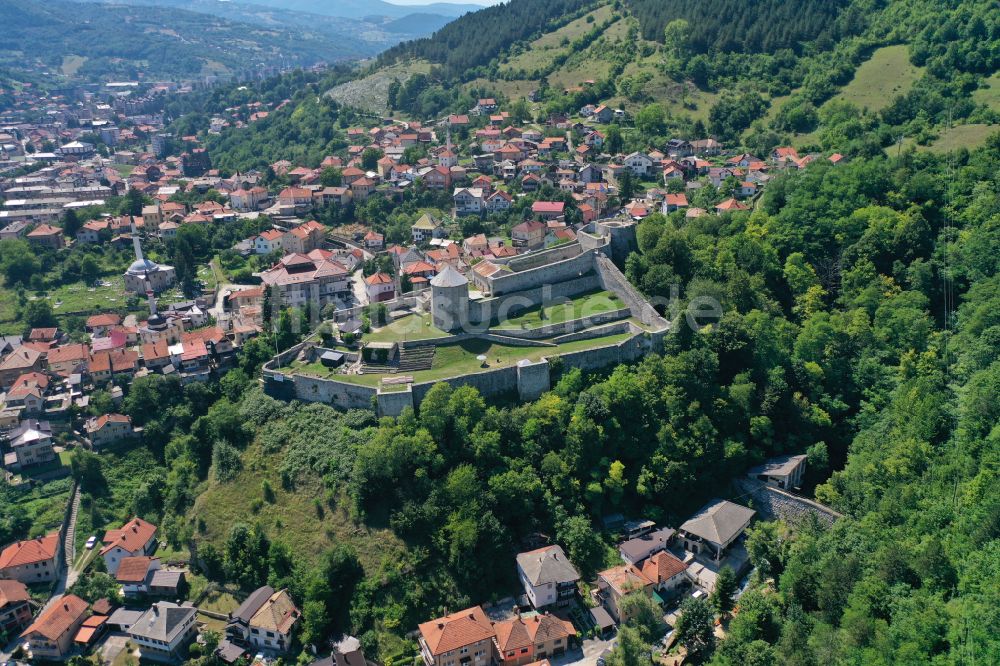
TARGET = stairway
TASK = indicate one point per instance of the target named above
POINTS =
(412, 359)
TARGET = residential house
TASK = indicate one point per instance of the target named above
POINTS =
(268, 241)
(640, 164)
(69, 359)
(729, 206)
(498, 202)
(547, 575)
(520, 641)
(265, 621)
(667, 572)
(314, 278)
(425, 228)
(615, 583)
(108, 429)
(295, 199)
(528, 235)
(373, 241)
(45, 235)
(677, 148)
(485, 106)
(50, 636)
(783, 472)
(28, 393)
(672, 202)
(164, 631)
(305, 238)
(548, 210)
(636, 550)
(134, 572)
(706, 147)
(104, 366)
(98, 325)
(602, 114)
(464, 638)
(93, 231)
(32, 561)
(362, 188)
(715, 527)
(18, 362)
(135, 538)
(30, 443)
(15, 607)
(468, 201)
(380, 287)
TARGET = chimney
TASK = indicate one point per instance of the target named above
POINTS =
(66, 607)
(440, 625)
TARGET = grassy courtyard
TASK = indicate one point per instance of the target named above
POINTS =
(579, 307)
(458, 358)
(410, 327)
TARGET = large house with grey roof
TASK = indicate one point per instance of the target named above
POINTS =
(164, 631)
(548, 576)
(715, 527)
(265, 622)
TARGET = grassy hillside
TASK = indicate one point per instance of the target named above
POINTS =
(881, 78)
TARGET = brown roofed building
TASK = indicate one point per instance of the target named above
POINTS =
(136, 537)
(15, 611)
(32, 561)
(50, 636)
(45, 235)
(464, 638)
(521, 641)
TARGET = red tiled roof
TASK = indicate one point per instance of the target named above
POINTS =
(12, 592)
(30, 552)
(58, 619)
(131, 537)
(456, 630)
(133, 569)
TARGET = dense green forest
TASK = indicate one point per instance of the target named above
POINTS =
(475, 39)
(858, 325)
(755, 27)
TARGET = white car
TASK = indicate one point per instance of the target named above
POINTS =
(91, 542)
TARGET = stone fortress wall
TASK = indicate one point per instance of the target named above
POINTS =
(550, 275)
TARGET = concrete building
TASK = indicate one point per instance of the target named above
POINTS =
(783, 472)
(108, 429)
(264, 622)
(164, 631)
(15, 609)
(464, 638)
(314, 278)
(30, 444)
(548, 576)
(135, 538)
(615, 583)
(50, 636)
(715, 527)
(32, 561)
(520, 641)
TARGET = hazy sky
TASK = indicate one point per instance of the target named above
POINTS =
(461, 2)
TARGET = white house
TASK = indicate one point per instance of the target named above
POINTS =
(164, 631)
(468, 201)
(135, 538)
(640, 164)
(547, 575)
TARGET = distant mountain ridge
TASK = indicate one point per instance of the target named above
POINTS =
(360, 9)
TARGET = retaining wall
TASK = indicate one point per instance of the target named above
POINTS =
(489, 309)
(564, 328)
(560, 271)
(533, 260)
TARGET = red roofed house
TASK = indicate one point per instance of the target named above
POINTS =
(67, 359)
(298, 199)
(98, 325)
(548, 210)
(615, 583)
(46, 235)
(32, 561)
(464, 638)
(134, 573)
(520, 641)
(108, 428)
(672, 202)
(50, 636)
(28, 392)
(730, 205)
(380, 287)
(666, 572)
(530, 234)
(15, 611)
(135, 538)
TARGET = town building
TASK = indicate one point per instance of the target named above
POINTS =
(714, 528)
(264, 622)
(50, 636)
(32, 561)
(108, 429)
(314, 278)
(617, 582)
(524, 640)
(135, 538)
(15, 607)
(29, 444)
(464, 638)
(783, 472)
(547, 575)
(164, 631)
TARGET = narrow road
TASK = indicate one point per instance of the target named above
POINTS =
(67, 577)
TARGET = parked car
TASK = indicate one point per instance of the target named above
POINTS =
(91, 542)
